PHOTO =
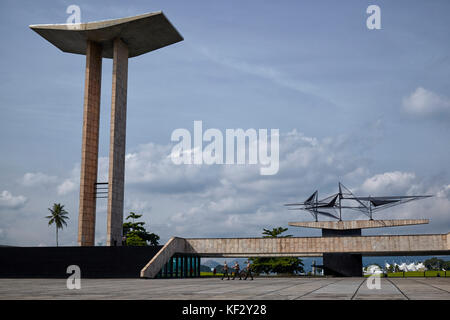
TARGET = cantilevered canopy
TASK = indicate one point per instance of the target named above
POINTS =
(358, 224)
(142, 34)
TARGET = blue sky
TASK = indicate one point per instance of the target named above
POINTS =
(369, 108)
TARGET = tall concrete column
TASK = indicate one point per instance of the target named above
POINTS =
(89, 151)
(117, 143)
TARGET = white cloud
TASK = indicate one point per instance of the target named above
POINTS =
(70, 184)
(423, 102)
(66, 187)
(444, 192)
(389, 183)
(436, 208)
(267, 72)
(136, 205)
(31, 179)
(235, 200)
(152, 168)
(7, 200)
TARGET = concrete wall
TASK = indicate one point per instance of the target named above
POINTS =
(341, 233)
(366, 245)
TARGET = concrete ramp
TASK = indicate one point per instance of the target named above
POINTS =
(174, 245)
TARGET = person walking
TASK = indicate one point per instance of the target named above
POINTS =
(225, 271)
(237, 271)
(248, 271)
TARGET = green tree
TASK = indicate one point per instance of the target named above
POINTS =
(275, 233)
(277, 264)
(136, 234)
(436, 264)
(58, 217)
(446, 265)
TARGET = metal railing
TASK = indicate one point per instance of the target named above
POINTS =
(101, 190)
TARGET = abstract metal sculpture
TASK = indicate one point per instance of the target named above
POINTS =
(332, 206)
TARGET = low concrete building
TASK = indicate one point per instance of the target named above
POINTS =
(341, 246)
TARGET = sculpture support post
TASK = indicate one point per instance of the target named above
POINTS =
(117, 143)
(89, 151)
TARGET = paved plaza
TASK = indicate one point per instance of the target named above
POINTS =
(213, 288)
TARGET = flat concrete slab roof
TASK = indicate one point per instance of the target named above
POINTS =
(358, 224)
(142, 34)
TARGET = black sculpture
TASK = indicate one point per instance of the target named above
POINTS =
(367, 205)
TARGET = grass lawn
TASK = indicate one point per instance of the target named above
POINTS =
(422, 274)
(209, 274)
(430, 273)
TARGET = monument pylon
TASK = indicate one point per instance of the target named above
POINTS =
(119, 39)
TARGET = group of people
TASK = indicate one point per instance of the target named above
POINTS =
(247, 272)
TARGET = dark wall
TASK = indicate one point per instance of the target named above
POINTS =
(341, 233)
(94, 262)
(342, 264)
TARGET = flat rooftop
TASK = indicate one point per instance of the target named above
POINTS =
(142, 33)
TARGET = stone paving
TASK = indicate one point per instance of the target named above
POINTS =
(213, 288)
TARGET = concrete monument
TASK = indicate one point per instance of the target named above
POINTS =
(118, 39)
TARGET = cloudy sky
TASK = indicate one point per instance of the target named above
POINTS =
(369, 108)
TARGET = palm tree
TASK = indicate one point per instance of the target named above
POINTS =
(275, 233)
(58, 217)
